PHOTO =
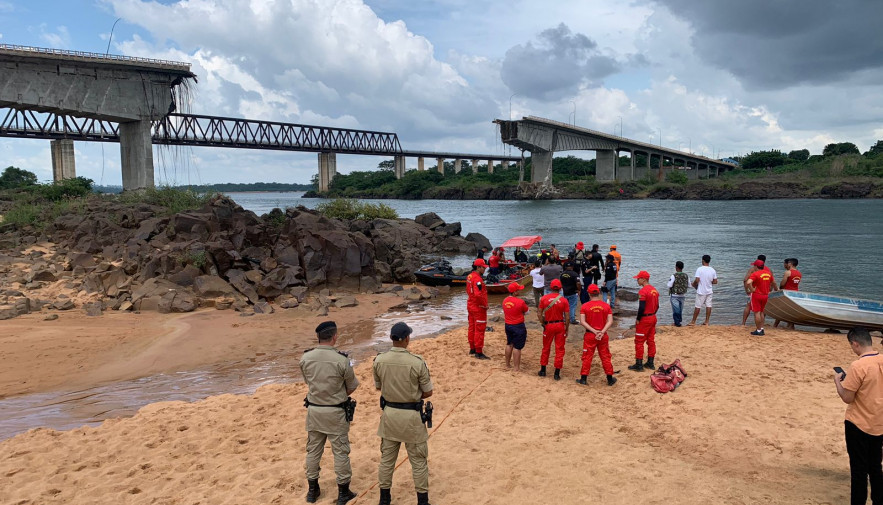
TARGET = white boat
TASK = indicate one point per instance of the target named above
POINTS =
(825, 311)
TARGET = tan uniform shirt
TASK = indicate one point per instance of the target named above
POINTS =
(402, 378)
(329, 375)
(865, 378)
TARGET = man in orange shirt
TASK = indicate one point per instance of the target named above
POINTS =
(862, 389)
(514, 309)
(759, 285)
(554, 315)
(645, 322)
(596, 317)
(617, 258)
(476, 306)
(790, 282)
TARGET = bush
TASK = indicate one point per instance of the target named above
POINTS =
(174, 199)
(347, 208)
(23, 214)
(67, 188)
(14, 178)
(676, 177)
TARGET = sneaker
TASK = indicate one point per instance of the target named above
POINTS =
(481, 355)
(757, 333)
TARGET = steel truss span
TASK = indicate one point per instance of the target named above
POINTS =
(209, 131)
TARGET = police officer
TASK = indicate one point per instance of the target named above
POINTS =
(331, 380)
(403, 381)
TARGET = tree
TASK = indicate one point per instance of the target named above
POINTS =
(387, 165)
(841, 148)
(801, 155)
(875, 149)
(14, 177)
(763, 159)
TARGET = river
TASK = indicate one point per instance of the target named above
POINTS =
(837, 242)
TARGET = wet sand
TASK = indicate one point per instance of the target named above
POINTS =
(757, 421)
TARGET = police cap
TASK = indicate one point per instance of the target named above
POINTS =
(400, 331)
(326, 325)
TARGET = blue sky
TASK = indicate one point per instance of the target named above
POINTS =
(720, 76)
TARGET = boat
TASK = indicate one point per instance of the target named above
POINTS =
(441, 273)
(512, 271)
(824, 311)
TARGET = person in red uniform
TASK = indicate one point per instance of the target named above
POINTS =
(790, 282)
(596, 317)
(514, 309)
(476, 306)
(759, 285)
(554, 315)
(645, 322)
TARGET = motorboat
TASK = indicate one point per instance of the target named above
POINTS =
(824, 311)
(441, 273)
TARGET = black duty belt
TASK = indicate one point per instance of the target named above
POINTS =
(648, 315)
(556, 321)
(418, 406)
(308, 403)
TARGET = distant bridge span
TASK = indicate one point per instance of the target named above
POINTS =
(543, 137)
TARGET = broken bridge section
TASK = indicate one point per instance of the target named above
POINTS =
(130, 91)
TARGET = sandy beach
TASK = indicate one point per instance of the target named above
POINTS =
(757, 421)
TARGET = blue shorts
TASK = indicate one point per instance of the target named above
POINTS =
(516, 335)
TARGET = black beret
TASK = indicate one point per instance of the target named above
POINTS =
(325, 326)
(400, 331)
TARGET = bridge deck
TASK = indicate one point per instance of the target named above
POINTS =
(8, 51)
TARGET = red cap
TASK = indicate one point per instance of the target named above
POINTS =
(593, 289)
(479, 263)
(514, 286)
(758, 264)
(643, 274)
(556, 284)
(580, 246)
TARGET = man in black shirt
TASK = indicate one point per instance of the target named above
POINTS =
(595, 264)
(570, 287)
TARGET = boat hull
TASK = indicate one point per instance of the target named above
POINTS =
(824, 311)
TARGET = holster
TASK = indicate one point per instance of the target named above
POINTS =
(349, 407)
(426, 415)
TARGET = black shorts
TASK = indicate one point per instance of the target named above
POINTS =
(516, 335)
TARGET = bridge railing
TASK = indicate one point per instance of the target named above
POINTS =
(88, 55)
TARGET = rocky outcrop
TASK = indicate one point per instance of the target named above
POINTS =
(134, 257)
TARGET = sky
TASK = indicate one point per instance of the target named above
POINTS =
(715, 77)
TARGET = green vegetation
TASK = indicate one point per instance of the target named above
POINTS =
(173, 199)
(676, 177)
(347, 208)
(15, 178)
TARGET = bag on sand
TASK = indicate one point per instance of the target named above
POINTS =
(668, 377)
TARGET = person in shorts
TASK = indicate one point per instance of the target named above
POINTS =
(759, 285)
(514, 309)
(751, 269)
(703, 281)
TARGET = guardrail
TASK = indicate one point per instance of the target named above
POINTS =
(30, 50)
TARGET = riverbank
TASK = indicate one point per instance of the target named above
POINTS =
(757, 420)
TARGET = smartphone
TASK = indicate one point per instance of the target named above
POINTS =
(840, 371)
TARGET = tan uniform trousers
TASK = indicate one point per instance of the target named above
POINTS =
(340, 447)
(417, 454)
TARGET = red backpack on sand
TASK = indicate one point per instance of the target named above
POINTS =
(668, 377)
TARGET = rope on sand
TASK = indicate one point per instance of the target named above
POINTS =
(439, 425)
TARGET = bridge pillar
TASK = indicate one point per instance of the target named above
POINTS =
(692, 172)
(63, 161)
(490, 166)
(702, 171)
(136, 154)
(541, 167)
(327, 170)
(440, 165)
(400, 166)
(605, 165)
(458, 165)
(474, 166)
(420, 164)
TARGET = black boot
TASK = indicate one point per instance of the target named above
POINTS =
(344, 494)
(385, 497)
(481, 355)
(313, 490)
(649, 364)
(471, 352)
(582, 380)
(422, 498)
(557, 374)
(638, 366)
(611, 380)
(542, 372)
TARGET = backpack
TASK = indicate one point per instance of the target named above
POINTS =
(668, 377)
(682, 282)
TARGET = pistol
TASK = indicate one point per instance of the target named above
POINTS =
(426, 415)
(349, 409)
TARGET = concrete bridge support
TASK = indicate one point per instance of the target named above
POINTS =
(420, 165)
(474, 166)
(440, 165)
(605, 165)
(541, 166)
(327, 170)
(63, 160)
(399, 166)
(136, 152)
(692, 172)
(458, 165)
(702, 171)
(490, 166)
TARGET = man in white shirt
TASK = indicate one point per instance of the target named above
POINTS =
(703, 280)
(539, 282)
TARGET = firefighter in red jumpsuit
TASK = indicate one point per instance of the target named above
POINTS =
(554, 315)
(645, 322)
(476, 306)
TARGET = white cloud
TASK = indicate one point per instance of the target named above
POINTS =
(59, 39)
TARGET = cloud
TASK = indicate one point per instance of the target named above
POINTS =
(557, 63)
(60, 39)
(774, 45)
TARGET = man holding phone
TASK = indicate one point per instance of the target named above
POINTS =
(862, 390)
